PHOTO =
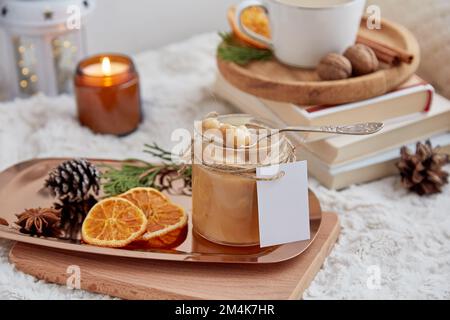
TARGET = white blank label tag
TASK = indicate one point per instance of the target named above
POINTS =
(283, 206)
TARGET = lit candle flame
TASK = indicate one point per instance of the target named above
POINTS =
(106, 66)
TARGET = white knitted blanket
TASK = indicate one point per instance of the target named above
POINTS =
(404, 237)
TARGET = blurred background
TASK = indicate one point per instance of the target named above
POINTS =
(138, 25)
(132, 26)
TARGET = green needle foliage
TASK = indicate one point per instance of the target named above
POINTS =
(138, 173)
(234, 51)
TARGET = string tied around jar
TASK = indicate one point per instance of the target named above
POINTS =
(286, 154)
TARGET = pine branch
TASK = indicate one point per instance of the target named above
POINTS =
(232, 50)
(143, 174)
(158, 152)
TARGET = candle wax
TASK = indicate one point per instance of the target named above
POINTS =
(97, 69)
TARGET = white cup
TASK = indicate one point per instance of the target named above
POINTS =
(304, 31)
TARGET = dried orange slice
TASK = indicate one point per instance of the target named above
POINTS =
(170, 240)
(114, 223)
(145, 198)
(255, 19)
(165, 219)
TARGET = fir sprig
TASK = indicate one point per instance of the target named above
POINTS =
(137, 173)
(234, 51)
(158, 152)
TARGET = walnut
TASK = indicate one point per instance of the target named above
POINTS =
(334, 67)
(363, 59)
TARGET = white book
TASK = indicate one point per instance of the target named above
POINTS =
(414, 96)
(377, 164)
(363, 170)
(397, 132)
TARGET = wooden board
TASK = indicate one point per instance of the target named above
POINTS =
(137, 279)
(272, 80)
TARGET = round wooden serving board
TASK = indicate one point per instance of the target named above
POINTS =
(272, 80)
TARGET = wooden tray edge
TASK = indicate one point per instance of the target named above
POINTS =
(319, 260)
(320, 249)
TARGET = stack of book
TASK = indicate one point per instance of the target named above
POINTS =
(413, 112)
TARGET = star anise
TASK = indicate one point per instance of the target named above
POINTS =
(39, 222)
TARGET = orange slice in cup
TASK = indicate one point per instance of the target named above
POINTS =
(113, 223)
(255, 19)
(166, 220)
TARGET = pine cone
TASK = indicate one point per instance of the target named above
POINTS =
(422, 172)
(39, 222)
(173, 181)
(74, 180)
(72, 217)
(3, 222)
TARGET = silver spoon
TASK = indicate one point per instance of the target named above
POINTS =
(359, 129)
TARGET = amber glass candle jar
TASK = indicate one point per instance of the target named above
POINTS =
(108, 95)
(224, 197)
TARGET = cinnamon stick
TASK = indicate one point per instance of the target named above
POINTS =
(387, 58)
(385, 52)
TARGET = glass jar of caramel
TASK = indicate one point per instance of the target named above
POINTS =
(227, 151)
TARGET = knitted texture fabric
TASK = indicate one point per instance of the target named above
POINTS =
(386, 231)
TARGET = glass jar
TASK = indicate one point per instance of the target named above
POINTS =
(225, 206)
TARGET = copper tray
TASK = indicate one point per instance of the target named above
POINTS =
(21, 188)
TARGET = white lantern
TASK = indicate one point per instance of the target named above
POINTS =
(44, 42)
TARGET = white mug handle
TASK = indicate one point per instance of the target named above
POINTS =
(253, 35)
